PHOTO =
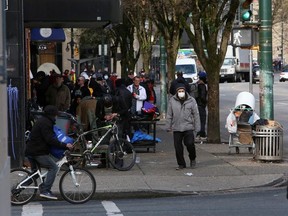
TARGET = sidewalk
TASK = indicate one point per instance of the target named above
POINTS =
(216, 170)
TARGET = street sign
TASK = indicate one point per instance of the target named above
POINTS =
(242, 37)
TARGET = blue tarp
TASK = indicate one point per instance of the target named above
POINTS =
(140, 136)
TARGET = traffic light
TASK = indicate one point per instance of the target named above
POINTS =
(245, 12)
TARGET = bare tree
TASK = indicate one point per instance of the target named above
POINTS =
(279, 11)
(123, 35)
(209, 28)
(138, 14)
(166, 17)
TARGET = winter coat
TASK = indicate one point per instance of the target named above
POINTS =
(42, 137)
(183, 116)
(202, 94)
(85, 113)
(118, 106)
(123, 92)
(59, 97)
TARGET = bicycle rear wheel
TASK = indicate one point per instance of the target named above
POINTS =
(21, 196)
(122, 155)
(78, 190)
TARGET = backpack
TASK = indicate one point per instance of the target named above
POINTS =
(60, 134)
(194, 90)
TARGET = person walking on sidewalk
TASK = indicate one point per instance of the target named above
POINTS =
(202, 102)
(183, 119)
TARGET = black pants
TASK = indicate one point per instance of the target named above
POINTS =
(186, 138)
(202, 114)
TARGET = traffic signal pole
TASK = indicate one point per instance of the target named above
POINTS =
(266, 71)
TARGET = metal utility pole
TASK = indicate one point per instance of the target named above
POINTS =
(163, 78)
(265, 43)
(250, 71)
(282, 43)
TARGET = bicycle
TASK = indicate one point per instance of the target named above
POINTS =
(76, 185)
(121, 153)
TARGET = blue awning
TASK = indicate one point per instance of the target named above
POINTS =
(47, 34)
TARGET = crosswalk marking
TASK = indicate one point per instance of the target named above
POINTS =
(111, 208)
(36, 209)
(32, 209)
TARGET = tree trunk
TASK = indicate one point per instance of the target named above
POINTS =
(146, 55)
(172, 50)
(213, 127)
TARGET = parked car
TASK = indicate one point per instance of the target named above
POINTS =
(284, 74)
(255, 74)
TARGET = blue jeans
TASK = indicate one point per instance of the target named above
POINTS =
(48, 162)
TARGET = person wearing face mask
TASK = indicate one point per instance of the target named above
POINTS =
(183, 119)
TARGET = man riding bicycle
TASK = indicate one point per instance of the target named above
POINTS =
(42, 137)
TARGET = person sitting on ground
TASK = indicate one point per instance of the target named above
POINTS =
(42, 137)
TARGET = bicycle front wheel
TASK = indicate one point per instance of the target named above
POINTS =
(21, 196)
(122, 155)
(77, 187)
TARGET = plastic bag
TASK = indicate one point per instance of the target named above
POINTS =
(150, 111)
(231, 123)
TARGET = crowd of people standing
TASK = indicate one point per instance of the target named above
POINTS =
(102, 96)
(84, 98)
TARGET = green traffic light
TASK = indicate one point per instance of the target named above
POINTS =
(246, 16)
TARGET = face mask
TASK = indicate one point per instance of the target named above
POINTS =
(181, 94)
(105, 77)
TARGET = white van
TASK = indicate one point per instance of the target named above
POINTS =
(188, 68)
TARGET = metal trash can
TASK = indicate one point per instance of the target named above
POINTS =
(269, 142)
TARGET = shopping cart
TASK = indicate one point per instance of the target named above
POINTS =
(239, 123)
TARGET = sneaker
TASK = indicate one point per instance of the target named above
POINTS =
(192, 163)
(203, 138)
(197, 138)
(180, 167)
(48, 195)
